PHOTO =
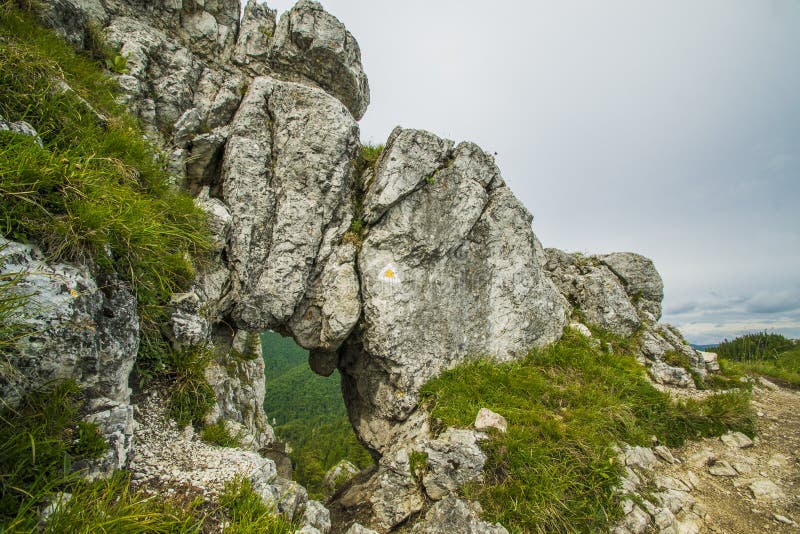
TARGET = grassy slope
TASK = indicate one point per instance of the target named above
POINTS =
(567, 405)
(97, 192)
(309, 411)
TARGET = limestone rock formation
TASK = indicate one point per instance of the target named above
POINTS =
(455, 515)
(622, 293)
(312, 44)
(287, 177)
(73, 327)
(449, 270)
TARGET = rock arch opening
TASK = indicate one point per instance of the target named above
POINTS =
(309, 417)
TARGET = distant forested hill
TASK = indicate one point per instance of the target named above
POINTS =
(309, 412)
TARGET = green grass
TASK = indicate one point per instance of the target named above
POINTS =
(40, 441)
(97, 192)
(192, 396)
(112, 506)
(247, 513)
(567, 406)
(218, 434)
(784, 368)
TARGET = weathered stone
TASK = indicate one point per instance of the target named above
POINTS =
(736, 440)
(355, 528)
(449, 271)
(722, 468)
(20, 128)
(766, 490)
(311, 43)
(487, 419)
(663, 373)
(711, 361)
(455, 515)
(641, 280)
(76, 328)
(317, 516)
(453, 459)
(594, 290)
(641, 458)
(292, 498)
(665, 454)
(237, 377)
(338, 475)
(395, 495)
(252, 45)
(308, 529)
(286, 180)
(408, 160)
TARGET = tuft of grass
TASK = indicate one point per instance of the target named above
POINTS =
(98, 192)
(39, 442)
(567, 406)
(418, 464)
(366, 159)
(248, 514)
(111, 506)
(218, 434)
(192, 396)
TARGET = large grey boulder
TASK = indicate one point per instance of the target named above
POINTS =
(593, 290)
(77, 328)
(74, 327)
(453, 459)
(449, 271)
(640, 278)
(455, 515)
(313, 45)
(287, 180)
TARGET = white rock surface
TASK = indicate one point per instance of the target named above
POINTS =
(487, 419)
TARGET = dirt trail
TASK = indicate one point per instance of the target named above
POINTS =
(746, 488)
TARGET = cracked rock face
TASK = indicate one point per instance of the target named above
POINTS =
(287, 179)
(450, 270)
(312, 44)
(622, 293)
(74, 328)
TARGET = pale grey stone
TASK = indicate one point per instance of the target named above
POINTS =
(339, 474)
(663, 373)
(451, 270)
(308, 529)
(594, 290)
(453, 459)
(665, 454)
(766, 490)
(736, 440)
(641, 458)
(711, 361)
(311, 43)
(317, 516)
(640, 279)
(394, 495)
(455, 515)
(256, 30)
(722, 468)
(356, 528)
(20, 128)
(487, 419)
(76, 327)
(287, 180)
(408, 160)
(292, 497)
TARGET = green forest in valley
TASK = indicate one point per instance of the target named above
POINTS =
(308, 413)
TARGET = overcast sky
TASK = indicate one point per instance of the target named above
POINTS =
(668, 128)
